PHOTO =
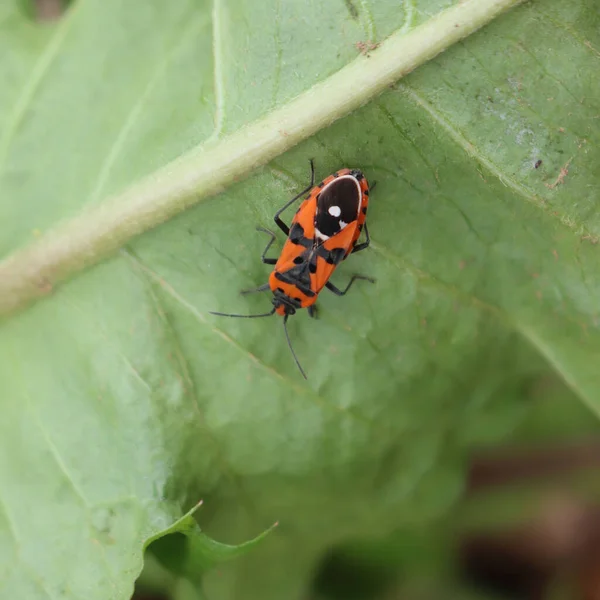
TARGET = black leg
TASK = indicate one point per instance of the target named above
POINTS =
(267, 261)
(276, 218)
(312, 311)
(365, 244)
(339, 292)
(260, 288)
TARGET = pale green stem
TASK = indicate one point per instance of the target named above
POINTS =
(98, 232)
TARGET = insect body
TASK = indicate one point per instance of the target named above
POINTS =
(324, 232)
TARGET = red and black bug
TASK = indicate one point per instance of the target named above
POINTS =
(323, 233)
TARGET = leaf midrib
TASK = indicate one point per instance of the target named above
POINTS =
(94, 234)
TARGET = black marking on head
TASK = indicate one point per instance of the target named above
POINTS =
(280, 298)
(366, 192)
(357, 174)
(321, 184)
(364, 210)
(337, 206)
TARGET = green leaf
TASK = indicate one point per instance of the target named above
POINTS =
(123, 401)
(186, 553)
(185, 550)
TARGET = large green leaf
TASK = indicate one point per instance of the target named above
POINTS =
(124, 401)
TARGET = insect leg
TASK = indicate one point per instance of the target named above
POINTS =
(260, 288)
(365, 244)
(312, 311)
(267, 261)
(220, 314)
(276, 218)
(339, 292)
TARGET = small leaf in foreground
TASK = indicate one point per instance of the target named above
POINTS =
(187, 552)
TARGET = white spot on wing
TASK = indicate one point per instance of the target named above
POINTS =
(356, 182)
(320, 235)
(335, 211)
(342, 224)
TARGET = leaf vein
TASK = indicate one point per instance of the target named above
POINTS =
(478, 155)
(11, 524)
(402, 264)
(32, 84)
(404, 135)
(307, 392)
(218, 76)
(55, 453)
(409, 14)
(370, 30)
(138, 107)
(278, 46)
(560, 24)
(539, 116)
(191, 385)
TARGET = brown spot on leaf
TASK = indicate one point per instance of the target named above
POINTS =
(564, 171)
(366, 47)
(49, 10)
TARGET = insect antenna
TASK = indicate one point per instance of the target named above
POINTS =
(291, 348)
(220, 314)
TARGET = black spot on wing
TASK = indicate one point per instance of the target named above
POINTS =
(296, 233)
(299, 277)
(333, 257)
(296, 236)
(344, 196)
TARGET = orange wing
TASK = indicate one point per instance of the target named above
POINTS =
(341, 245)
(291, 273)
(344, 241)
